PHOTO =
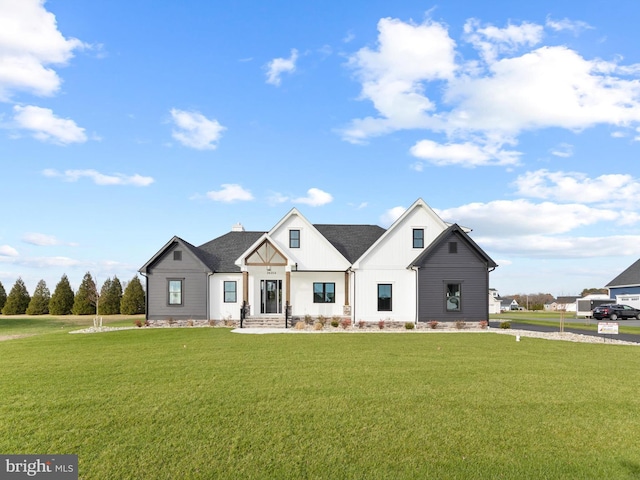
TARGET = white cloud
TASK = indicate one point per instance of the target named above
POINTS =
(276, 198)
(609, 189)
(194, 130)
(562, 247)
(465, 154)
(391, 215)
(575, 26)
(231, 192)
(40, 239)
(492, 41)
(46, 127)
(100, 178)
(392, 76)
(417, 78)
(278, 66)
(564, 150)
(8, 251)
(30, 43)
(44, 240)
(315, 198)
(511, 218)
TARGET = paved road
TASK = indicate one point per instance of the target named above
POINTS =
(627, 337)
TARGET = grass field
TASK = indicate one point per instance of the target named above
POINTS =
(207, 403)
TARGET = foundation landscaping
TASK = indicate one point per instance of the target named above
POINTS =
(195, 403)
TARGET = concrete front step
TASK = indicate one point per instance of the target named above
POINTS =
(263, 322)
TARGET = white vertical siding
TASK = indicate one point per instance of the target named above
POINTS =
(302, 293)
(315, 252)
(218, 308)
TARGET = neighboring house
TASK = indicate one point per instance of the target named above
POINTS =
(564, 304)
(508, 303)
(494, 301)
(420, 269)
(628, 282)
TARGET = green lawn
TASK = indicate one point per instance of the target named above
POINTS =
(207, 403)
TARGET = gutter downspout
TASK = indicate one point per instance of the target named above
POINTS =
(415, 269)
(209, 275)
(146, 295)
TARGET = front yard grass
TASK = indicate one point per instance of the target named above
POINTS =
(207, 403)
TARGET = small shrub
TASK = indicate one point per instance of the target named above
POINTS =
(345, 323)
(433, 324)
(308, 320)
(300, 325)
(381, 324)
(171, 321)
(335, 323)
(212, 323)
(322, 319)
(460, 324)
(147, 323)
(483, 324)
(409, 325)
(228, 322)
(190, 323)
(505, 325)
(138, 323)
(318, 326)
(362, 324)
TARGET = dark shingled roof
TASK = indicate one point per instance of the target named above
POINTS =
(220, 253)
(351, 240)
(631, 276)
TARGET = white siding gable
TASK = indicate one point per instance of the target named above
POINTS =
(315, 252)
(395, 249)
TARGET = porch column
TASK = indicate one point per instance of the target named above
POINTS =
(245, 287)
(346, 288)
(287, 295)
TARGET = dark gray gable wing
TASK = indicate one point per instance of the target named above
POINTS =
(175, 240)
(453, 230)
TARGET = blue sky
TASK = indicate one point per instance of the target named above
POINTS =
(125, 123)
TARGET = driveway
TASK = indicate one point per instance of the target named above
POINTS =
(627, 337)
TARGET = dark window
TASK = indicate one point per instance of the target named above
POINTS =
(230, 292)
(384, 297)
(294, 238)
(177, 255)
(418, 238)
(175, 292)
(454, 297)
(324, 293)
(453, 247)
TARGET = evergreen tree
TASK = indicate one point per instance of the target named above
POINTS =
(110, 297)
(3, 296)
(86, 297)
(62, 299)
(39, 304)
(17, 300)
(133, 299)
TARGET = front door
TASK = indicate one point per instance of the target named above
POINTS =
(270, 296)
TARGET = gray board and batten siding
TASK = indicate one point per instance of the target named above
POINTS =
(468, 266)
(185, 266)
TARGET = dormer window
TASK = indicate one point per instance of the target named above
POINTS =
(418, 238)
(294, 238)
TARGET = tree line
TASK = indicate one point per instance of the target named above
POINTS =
(111, 300)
